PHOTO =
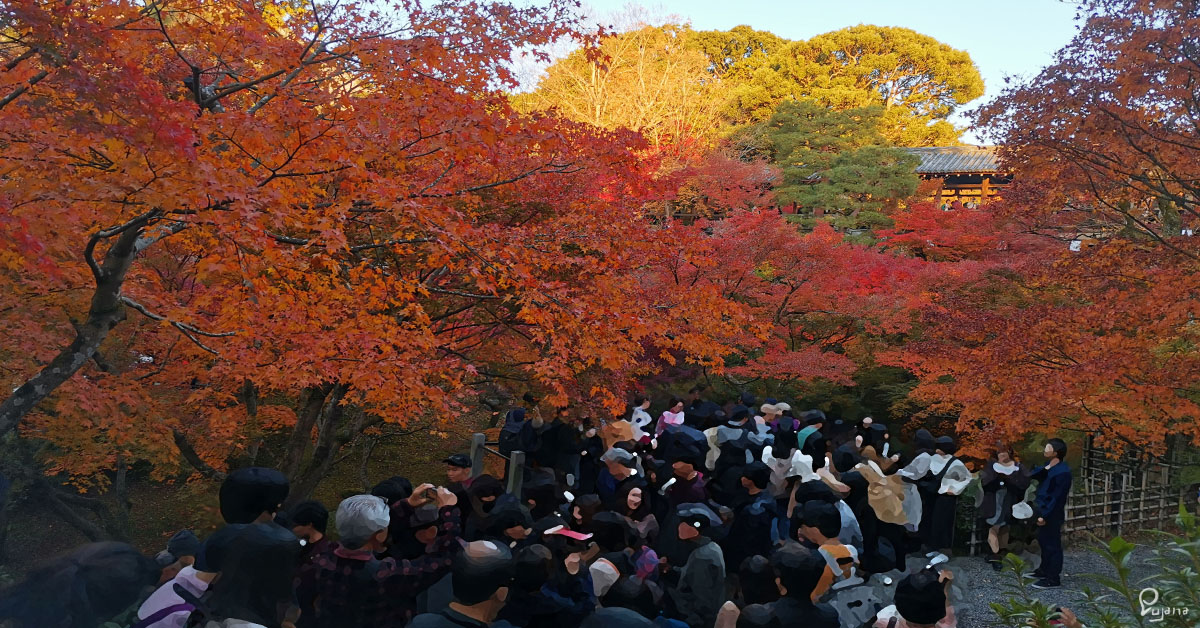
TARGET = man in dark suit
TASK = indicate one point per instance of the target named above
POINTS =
(1054, 485)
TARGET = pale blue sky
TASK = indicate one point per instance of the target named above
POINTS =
(1016, 37)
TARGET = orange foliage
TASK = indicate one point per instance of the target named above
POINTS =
(1102, 146)
(811, 297)
(278, 207)
(1102, 341)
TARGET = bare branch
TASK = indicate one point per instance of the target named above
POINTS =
(192, 458)
(146, 242)
(461, 294)
(184, 328)
(389, 243)
(16, 93)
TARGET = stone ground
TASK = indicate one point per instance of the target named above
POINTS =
(984, 585)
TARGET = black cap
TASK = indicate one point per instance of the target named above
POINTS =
(815, 490)
(689, 453)
(184, 543)
(462, 461)
(823, 516)
(845, 457)
(510, 516)
(945, 443)
(698, 516)
(921, 598)
(249, 492)
(758, 473)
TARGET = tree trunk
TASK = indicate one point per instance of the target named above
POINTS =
(306, 419)
(189, 454)
(364, 473)
(329, 442)
(120, 526)
(85, 526)
(249, 397)
(105, 312)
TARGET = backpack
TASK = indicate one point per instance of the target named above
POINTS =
(511, 439)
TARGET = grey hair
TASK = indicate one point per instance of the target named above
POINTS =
(359, 518)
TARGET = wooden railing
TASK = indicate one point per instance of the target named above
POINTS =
(514, 463)
(1113, 496)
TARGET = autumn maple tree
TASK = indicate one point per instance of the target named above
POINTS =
(814, 299)
(1103, 148)
(223, 223)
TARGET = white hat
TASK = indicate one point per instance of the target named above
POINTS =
(802, 467)
(783, 407)
(1022, 510)
(769, 409)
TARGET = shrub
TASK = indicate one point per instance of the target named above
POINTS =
(1168, 598)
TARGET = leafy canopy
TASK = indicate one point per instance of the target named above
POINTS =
(833, 161)
(917, 80)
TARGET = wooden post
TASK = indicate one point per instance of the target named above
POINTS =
(1143, 512)
(985, 189)
(516, 472)
(1107, 499)
(1118, 497)
(1165, 486)
(477, 453)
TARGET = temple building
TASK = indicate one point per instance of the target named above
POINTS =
(969, 175)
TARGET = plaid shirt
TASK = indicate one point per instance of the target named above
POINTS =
(354, 589)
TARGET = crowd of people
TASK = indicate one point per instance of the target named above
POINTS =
(734, 515)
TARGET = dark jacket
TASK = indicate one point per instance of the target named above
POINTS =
(753, 531)
(701, 588)
(448, 618)
(1053, 488)
(992, 482)
(800, 611)
(560, 604)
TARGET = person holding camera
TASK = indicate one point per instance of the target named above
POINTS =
(350, 587)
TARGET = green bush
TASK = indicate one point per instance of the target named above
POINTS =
(1169, 598)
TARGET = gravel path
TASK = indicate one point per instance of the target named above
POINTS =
(984, 585)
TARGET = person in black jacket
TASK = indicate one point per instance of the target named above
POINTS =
(754, 530)
(1004, 481)
(800, 570)
(1054, 486)
(812, 441)
(482, 573)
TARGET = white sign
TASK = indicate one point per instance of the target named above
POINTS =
(1148, 600)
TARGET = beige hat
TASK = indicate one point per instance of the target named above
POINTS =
(783, 407)
(769, 409)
